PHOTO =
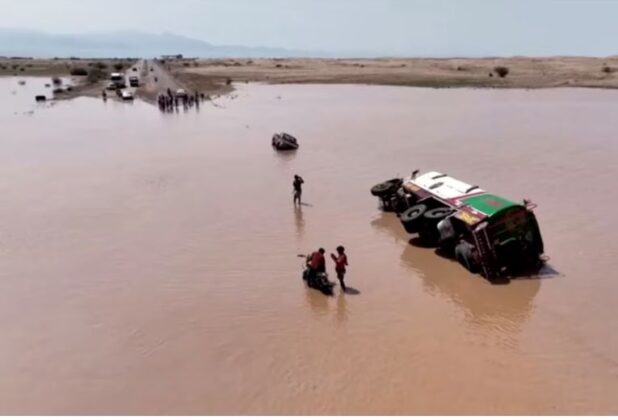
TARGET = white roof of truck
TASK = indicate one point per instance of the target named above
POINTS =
(444, 186)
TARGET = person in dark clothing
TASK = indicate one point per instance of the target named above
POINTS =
(341, 261)
(298, 189)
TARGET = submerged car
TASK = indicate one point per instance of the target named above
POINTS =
(284, 141)
(486, 233)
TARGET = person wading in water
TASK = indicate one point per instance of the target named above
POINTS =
(341, 261)
(298, 189)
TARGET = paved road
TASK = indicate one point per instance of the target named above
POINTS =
(154, 82)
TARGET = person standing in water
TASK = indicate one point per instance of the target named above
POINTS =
(298, 189)
(341, 261)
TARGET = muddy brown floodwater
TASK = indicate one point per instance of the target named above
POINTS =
(148, 262)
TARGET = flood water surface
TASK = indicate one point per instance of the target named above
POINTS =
(149, 262)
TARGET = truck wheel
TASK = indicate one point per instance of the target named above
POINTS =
(428, 229)
(386, 187)
(465, 256)
(435, 215)
(411, 218)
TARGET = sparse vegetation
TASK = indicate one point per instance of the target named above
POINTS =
(501, 71)
(607, 69)
(79, 71)
(491, 75)
(118, 66)
(95, 75)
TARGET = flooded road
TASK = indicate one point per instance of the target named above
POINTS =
(148, 261)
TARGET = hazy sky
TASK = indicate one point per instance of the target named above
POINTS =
(409, 27)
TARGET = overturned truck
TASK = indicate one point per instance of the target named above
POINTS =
(486, 233)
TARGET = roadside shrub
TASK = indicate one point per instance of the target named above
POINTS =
(118, 66)
(100, 65)
(501, 71)
(15, 66)
(186, 64)
(79, 71)
(95, 75)
(491, 75)
(607, 69)
(228, 81)
(22, 69)
(278, 66)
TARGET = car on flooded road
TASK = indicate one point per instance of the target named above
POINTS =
(487, 234)
(126, 95)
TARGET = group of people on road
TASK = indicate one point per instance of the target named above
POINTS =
(316, 261)
(170, 102)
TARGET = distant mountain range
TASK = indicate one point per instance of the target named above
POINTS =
(29, 43)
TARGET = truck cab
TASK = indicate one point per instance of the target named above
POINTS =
(118, 80)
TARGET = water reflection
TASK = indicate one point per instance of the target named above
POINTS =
(482, 302)
(342, 308)
(299, 221)
(317, 301)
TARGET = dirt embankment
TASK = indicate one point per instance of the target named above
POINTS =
(89, 76)
(215, 77)
(517, 72)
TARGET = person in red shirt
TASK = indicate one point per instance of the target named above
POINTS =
(341, 261)
(318, 263)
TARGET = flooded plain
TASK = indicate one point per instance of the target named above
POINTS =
(148, 262)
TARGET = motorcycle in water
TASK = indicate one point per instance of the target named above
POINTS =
(318, 281)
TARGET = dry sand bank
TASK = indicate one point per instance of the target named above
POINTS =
(455, 72)
(215, 76)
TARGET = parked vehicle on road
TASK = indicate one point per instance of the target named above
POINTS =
(486, 233)
(133, 81)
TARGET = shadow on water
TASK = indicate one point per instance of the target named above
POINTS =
(481, 300)
(351, 291)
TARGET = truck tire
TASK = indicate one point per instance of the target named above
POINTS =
(387, 187)
(465, 256)
(428, 230)
(411, 218)
(435, 215)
